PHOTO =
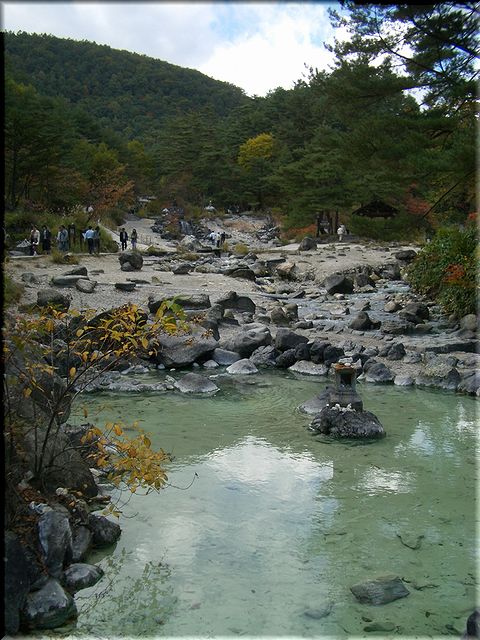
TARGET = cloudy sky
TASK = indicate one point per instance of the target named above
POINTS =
(258, 46)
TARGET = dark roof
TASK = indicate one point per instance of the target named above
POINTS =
(376, 209)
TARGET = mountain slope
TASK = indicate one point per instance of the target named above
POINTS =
(131, 93)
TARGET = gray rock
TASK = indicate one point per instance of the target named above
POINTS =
(380, 590)
(321, 611)
(391, 272)
(80, 576)
(412, 357)
(379, 373)
(49, 607)
(316, 404)
(242, 272)
(331, 354)
(405, 255)
(127, 266)
(469, 322)
(396, 327)
(396, 351)
(279, 317)
(287, 339)
(66, 281)
(264, 356)
(85, 286)
(55, 537)
(286, 359)
(307, 244)
(470, 383)
(133, 258)
(210, 364)
(441, 375)
(30, 278)
(182, 269)
(286, 270)
(242, 367)
(194, 301)
(418, 309)
(338, 283)
(20, 572)
(196, 383)
(224, 357)
(184, 350)
(232, 300)
(362, 322)
(317, 349)
(403, 381)
(391, 306)
(307, 367)
(81, 542)
(340, 422)
(52, 298)
(105, 532)
(248, 339)
(125, 286)
(77, 271)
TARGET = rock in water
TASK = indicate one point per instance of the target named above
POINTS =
(341, 422)
(380, 590)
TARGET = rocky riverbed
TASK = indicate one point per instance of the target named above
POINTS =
(306, 308)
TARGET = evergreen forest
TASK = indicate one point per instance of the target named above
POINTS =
(89, 125)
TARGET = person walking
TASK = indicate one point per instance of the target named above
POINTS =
(96, 240)
(62, 238)
(89, 237)
(34, 240)
(123, 238)
(341, 231)
(133, 238)
(46, 238)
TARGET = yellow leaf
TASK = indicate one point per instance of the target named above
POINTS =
(27, 392)
(117, 430)
(147, 441)
(80, 332)
(85, 412)
(72, 372)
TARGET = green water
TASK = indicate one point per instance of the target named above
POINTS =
(278, 522)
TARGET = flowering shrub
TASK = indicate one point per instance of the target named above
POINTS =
(446, 269)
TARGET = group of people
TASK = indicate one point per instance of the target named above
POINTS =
(216, 238)
(124, 238)
(65, 239)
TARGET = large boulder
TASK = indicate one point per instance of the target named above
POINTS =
(264, 356)
(20, 572)
(232, 300)
(287, 339)
(307, 244)
(279, 317)
(196, 383)
(81, 542)
(183, 350)
(80, 576)
(340, 422)
(67, 281)
(133, 258)
(85, 286)
(379, 373)
(338, 283)
(242, 367)
(405, 255)
(224, 357)
(309, 368)
(49, 607)
(362, 322)
(380, 590)
(194, 301)
(248, 339)
(55, 537)
(104, 531)
(53, 298)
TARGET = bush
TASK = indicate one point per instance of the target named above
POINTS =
(12, 291)
(57, 257)
(445, 270)
(241, 249)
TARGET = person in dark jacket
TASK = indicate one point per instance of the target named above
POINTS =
(123, 238)
(46, 238)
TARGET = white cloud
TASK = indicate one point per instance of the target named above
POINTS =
(257, 46)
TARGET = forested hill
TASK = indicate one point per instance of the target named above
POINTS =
(130, 93)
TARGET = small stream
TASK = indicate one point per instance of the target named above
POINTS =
(266, 526)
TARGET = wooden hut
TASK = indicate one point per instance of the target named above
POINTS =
(376, 209)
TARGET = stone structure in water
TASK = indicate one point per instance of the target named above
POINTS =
(342, 415)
